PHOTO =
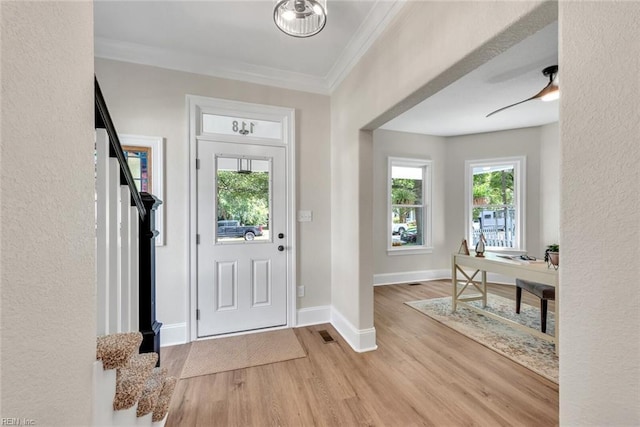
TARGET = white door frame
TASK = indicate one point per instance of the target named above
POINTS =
(286, 116)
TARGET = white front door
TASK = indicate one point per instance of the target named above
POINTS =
(241, 226)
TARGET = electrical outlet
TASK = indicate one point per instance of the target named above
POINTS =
(300, 291)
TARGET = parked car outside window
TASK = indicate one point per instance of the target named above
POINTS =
(232, 228)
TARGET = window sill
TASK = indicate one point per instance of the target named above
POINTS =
(409, 251)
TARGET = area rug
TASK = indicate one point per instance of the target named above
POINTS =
(524, 348)
(243, 351)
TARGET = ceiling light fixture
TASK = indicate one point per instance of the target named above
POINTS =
(550, 92)
(300, 18)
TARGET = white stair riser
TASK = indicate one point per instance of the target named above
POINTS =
(147, 420)
(160, 423)
(127, 417)
(103, 413)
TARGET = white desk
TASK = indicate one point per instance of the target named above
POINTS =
(535, 272)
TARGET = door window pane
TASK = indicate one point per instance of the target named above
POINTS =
(242, 199)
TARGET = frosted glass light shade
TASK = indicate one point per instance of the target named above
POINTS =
(300, 18)
(552, 94)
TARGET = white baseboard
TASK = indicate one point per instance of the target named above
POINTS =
(361, 340)
(426, 275)
(410, 277)
(313, 316)
(173, 334)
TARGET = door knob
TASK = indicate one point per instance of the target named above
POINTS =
(280, 236)
(281, 248)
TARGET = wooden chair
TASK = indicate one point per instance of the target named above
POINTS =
(544, 292)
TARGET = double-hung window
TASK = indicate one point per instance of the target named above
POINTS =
(495, 202)
(409, 202)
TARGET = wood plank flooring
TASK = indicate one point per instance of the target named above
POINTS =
(423, 374)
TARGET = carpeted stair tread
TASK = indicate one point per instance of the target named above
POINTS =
(162, 404)
(151, 391)
(130, 380)
(115, 350)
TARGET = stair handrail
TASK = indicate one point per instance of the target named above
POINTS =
(103, 121)
(146, 205)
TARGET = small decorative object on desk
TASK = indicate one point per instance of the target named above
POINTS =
(552, 256)
(480, 246)
(464, 249)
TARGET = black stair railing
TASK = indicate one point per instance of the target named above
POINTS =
(146, 204)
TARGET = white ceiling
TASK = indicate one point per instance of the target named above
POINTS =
(238, 40)
(512, 76)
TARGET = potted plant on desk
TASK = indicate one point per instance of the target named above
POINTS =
(552, 255)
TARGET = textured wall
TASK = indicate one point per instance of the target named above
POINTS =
(600, 213)
(146, 100)
(47, 257)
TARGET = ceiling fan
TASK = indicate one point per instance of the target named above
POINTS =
(550, 92)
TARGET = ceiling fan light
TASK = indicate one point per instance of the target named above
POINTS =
(300, 18)
(551, 95)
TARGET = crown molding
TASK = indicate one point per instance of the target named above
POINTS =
(373, 25)
(371, 28)
(201, 64)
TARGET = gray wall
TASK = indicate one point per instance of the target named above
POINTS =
(510, 143)
(399, 144)
(146, 100)
(549, 211)
(540, 145)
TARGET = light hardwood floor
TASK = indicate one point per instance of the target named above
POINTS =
(423, 373)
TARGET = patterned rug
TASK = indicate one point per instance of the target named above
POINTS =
(524, 348)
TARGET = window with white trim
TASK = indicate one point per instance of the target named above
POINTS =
(494, 203)
(409, 206)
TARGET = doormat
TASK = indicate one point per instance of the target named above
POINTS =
(244, 351)
(524, 348)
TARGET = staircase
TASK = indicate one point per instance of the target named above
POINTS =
(128, 389)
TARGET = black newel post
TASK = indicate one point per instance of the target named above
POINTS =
(149, 326)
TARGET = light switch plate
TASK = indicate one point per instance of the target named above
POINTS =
(305, 216)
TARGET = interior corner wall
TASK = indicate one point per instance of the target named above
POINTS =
(421, 51)
(145, 100)
(408, 145)
(47, 213)
(600, 213)
(491, 145)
